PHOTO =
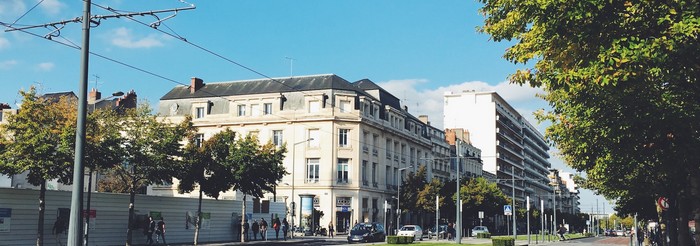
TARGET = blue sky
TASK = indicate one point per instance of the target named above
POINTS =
(415, 49)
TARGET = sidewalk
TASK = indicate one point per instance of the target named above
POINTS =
(295, 240)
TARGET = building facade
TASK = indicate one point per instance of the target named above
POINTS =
(349, 144)
(512, 149)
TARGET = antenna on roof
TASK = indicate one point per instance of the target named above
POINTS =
(96, 78)
(291, 65)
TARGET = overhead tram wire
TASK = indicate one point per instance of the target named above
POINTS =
(183, 39)
(72, 45)
(25, 13)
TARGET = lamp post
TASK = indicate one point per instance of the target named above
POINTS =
(89, 194)
(294, 148)
(512, 176)
(554, 182)
(398, 197)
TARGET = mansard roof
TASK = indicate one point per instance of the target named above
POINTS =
(262, 86)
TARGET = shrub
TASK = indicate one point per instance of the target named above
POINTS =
(399, 240)
(483, 235)
(503, 241)
(588, 234)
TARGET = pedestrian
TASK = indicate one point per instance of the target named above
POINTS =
(561, 232)
(160, 231)
(285, 227)
(330, 229)
(151, 228)
(263, 229)
(640, 236)
(246, 227)
(276, 225)
(256, 229)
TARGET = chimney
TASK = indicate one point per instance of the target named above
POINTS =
(196, 84)
(424, 118)
(93, 96)
(129, 100)
(5, 106)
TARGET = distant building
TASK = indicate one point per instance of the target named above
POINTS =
(511, 148)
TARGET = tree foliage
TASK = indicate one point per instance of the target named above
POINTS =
(411, 187)
(622, 80)
(256, 168)
(38, 141)
(478, 194)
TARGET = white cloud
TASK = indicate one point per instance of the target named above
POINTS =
(5, 65)
(4, 43)
(10, 8)
(52, 7)
(45, 66)
(123, 37)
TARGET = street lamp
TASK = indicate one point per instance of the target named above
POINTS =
(398, 197)
(89, 195)
(294, 148)
(554, 182)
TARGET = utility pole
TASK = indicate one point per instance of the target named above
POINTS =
(75, 223)
(458, 220)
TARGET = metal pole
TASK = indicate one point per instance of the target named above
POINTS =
(542, 217)
(294, 151)
(458, 220)
(527, 199)
(555, 206)
(398, 201)
(437, 215)
(75, 226)
(512, 176)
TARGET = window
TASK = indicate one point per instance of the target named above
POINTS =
(343, 137)
(343, 170)
(267, 108)
(314, 106)
(241, 110)
(198, 140)
(364, 172)
(374, 174)
(255, 110)
(344, 106)
(388, 175)
(315, 137)
(277, 138)
(312, 166)
(199, 112)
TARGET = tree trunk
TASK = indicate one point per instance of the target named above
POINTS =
(683, 215)
(198, 224)
(672, 220)
(42, 208)
(695, 197)
(129, 231)
(243, 221)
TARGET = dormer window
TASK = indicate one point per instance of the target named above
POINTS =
(199, 112)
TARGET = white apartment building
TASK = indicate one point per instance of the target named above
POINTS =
(348, 143)
(510, 147)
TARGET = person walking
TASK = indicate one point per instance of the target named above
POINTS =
(256, 229)
(285, 227)
(330, 229)
(561, 232)
(150, 230)
(246, 227)
(160, 231)
(263, 228)
(276, 225)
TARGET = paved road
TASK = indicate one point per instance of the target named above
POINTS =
(341, 240)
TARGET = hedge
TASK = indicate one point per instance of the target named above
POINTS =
(399, 239)
(503, 241)
(483, 235)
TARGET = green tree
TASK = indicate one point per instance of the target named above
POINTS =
(410, 189)
(38, 143)
(151, 150)
(255, 168)
(478, 194)
(205, 167)
(426, 198)
(621, 77)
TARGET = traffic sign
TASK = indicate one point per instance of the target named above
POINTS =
(507, 210)
(663, 203)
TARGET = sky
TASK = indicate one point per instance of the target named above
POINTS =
(417, 50)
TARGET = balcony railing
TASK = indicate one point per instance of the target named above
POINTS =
(365, 149)
(375, 184)
(375, 152)
(365, 183)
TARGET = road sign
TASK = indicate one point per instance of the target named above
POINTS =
(481, 214)
(507, 210)
(663, 203)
